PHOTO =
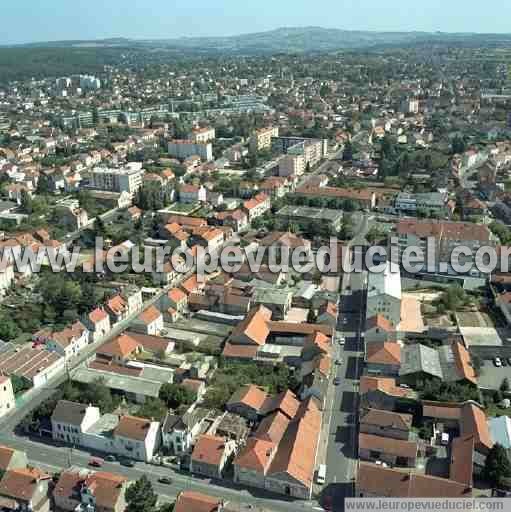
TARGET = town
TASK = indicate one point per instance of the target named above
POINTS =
(255, 390)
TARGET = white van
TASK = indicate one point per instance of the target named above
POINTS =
(321, 474)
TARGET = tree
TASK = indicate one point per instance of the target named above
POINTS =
(140, 496)
(497, 466)
(175, 395)
(458, 145)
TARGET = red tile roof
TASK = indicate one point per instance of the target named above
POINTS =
(209, 450)
(384, 353)
(191, 501)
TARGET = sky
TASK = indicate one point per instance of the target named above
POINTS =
(51, 20)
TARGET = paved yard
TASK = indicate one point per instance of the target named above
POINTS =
(491, 377)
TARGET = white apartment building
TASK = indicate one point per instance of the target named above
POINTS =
(128, 179)
(184, 148)
(384, 294)
(7, 401)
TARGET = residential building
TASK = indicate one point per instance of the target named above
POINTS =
(69, 342)
(257, 206)
(392, 451)
(25, 490)
(292, 165)
(98, 324)
(203, 135)
(185, 148)
(383, 358)
(445, 238)
(261, 139)
(150, 321)
(375, 481)
(80, 490)
(211, 455)
(137, 438)
(386, 423)
(127, 179)
(7, 399)
(384, 294)
(363, 198)
(179, 432)
(70, 419)
(12, 459)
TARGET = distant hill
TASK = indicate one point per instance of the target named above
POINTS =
(285, 40)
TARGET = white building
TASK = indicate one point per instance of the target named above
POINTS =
(69, 342)
(384, 294)
(7, 401)
(184, 148)
(202, 135)
(137, 438)
(128, 179)
(71, 419)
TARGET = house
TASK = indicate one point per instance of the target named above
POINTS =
(192, 194)
(70, 419)
(120, 350)
(384, 294)
(328, 314)
(150, 321)
(176, 299)
(386, 424)
(381, 393)
(211, 455)
(257, 206)
(191, 501)
(379, 329)
(137, 438)
(237, 219)
(375, 481)
(7, 400)
(98, 324)
(395, 452)
(179, 432)
(69, 342)
(383, 358)
(12, 459)
(25, 490)
(78, 489)
(248, 402)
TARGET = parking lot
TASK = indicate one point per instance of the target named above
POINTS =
(491, 377)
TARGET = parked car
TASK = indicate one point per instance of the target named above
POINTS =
(110, 458)
(128, 463)
(337, 381)
(165, 480)
(95, 462)
(342, 341)
(497, 362)
(509, 360)
(503, 361)
(338, 361)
